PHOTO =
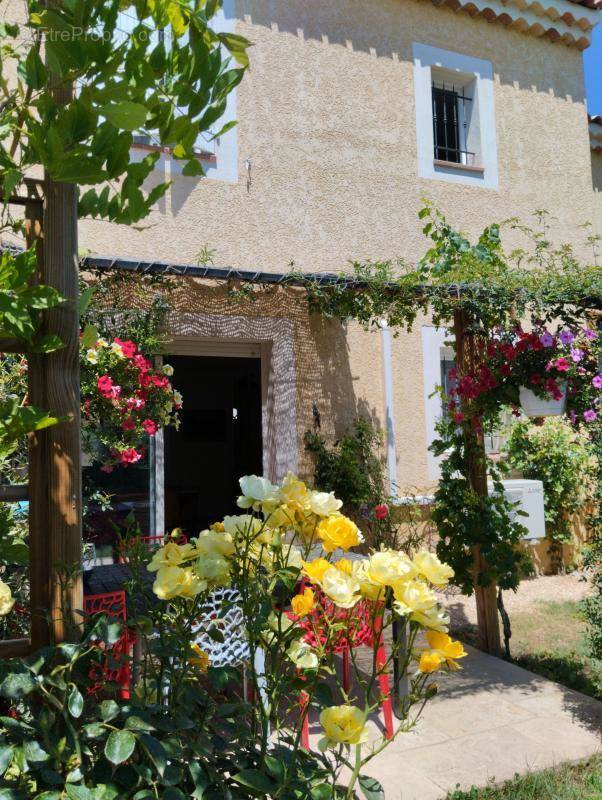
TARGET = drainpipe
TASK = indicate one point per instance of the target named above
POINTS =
(385, 333)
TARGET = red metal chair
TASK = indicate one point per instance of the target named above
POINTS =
(151, 543)
(363, 628)
(116, 663)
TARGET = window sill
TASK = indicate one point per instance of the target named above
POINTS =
(207, 158)
(458, 167)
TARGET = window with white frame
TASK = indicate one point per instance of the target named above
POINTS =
(455, 120)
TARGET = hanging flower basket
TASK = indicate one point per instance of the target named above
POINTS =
(534, 406)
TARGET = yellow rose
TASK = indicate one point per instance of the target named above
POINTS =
(429, 662)
(444, 649)
(428, 565)
(344, 565)
(412, 596)
(315, 569)
(302, 655)
(171, 555)
(323, 504)
(304, 603)
(387, 567)
(211, 543)
(257, 493)
(214, 570)
(6, 599)
(282, 517)
(368, 589)
(338, 531)
(435, 618)
(217, 526)
(199, 658)
(342, 725)
(341, 588)
(291, 556)
(293, 493)
(177, 582)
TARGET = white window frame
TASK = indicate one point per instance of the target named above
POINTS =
(433, 350)
(468, 71)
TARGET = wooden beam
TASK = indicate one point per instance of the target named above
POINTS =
(13, 648)
(61, 367)
(39, 573)
(14, 493)
(467, 358)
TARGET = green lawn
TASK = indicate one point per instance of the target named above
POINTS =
(581, 781)
(548, 638)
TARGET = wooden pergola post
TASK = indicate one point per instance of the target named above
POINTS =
(467, 358)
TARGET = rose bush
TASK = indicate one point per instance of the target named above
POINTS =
(124, 400)
(293, 542)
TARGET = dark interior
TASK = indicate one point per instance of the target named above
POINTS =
(219, 440)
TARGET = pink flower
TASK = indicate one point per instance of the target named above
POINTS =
(597, 381)
(127, 348)
(562, 364)
(458, 417)
(128, 424)
(590, 415)
(108, 468)
(130, 456)
(381, 511)
(161, 382)
(142, 363)
(105, 386)
(150, 427)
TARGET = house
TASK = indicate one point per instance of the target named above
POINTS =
(350, 114)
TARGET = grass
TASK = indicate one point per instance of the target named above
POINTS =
(580, 781)
(548, 638)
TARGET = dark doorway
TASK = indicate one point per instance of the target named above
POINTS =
(219, 440)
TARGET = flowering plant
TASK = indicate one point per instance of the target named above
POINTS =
(293, 544)
(124, 400)
(546, 363)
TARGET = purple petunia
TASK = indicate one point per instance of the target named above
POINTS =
(577, 354)
(546, 339)
(597, 381)
(590, 334)
(566, 337)
(590, 415)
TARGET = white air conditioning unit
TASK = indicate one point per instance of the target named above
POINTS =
(529, 495)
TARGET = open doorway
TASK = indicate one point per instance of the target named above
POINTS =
(219, 439)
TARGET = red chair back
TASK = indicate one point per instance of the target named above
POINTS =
(115, 667)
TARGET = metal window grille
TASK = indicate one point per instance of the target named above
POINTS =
(450, 123)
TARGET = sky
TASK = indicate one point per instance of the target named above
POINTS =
(593, 72)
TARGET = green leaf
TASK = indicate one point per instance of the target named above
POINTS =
(17, 685)
(371, 788)
(255, 780)
(120, 746)
(6, 756)
(89, 336)
(33, 71)
(172, 793)
(108, 710)
(85, 299)
(125, 114)
(75, 702)
(33, 751)
(138, 724)
(47, 343)
(155, 750)
(237, 45)
(193, 168)
(75, 792)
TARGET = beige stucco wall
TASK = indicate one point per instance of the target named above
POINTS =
(327, 117)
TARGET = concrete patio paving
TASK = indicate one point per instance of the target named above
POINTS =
(489, 721)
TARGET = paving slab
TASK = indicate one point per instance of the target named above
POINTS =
(488, 721)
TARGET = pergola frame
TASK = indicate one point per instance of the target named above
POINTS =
(54, 468)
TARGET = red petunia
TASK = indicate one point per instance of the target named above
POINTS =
(150, 427)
